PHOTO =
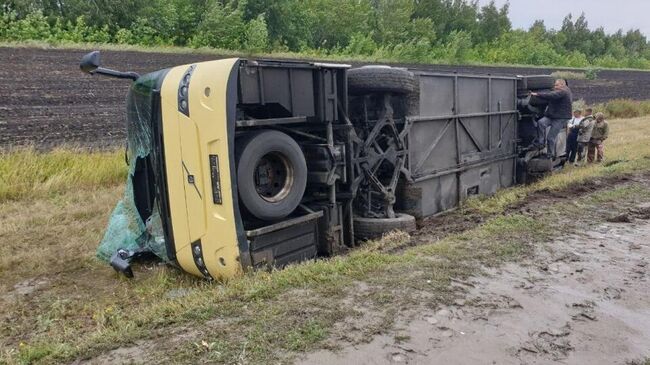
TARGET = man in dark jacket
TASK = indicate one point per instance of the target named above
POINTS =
(556, 116)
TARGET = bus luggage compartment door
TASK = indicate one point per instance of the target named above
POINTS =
(279, 244)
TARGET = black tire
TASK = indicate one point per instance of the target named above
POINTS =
(412, 104)
(521, 173)
(270, 200)
(370, 79)
(372, 228)
(535, 82)
(540, 165)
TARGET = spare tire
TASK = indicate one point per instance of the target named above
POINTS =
(540, 165)
(531, 104)
(271, 174)
(371, 228)
(368, 79)
(535, 82)
(536, 101)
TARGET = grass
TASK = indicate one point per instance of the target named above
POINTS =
(623, 108)
(77, 307)
(618, 108)
(569, 75)
(628, 143)
(29, 173)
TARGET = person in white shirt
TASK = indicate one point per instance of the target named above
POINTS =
(572, 137)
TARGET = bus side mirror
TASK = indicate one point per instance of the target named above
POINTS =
(90, 62)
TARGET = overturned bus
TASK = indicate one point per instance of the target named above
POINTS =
(237, 164)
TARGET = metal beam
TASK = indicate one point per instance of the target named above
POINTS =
(471, 135)
(469, 115)
(432, 146)
(284, 224)
(267, 122)
(462, 167)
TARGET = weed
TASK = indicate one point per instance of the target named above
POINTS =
(569, 75)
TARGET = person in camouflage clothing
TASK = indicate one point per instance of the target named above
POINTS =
(598, 137)
(585, 127)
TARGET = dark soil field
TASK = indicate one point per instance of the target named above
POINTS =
(46, 101)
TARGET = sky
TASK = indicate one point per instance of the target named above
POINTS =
(610, 14)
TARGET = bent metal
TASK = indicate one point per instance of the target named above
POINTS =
(238, 164)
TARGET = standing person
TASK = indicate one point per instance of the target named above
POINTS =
(598, 136)
(572, 137)
(585, 128)
(556, 116)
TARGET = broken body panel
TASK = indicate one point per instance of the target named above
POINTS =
(198, 121)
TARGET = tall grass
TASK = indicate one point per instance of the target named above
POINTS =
(629, 143)
(624, 108)
(27, 172)
(618, 108)
(569, 75)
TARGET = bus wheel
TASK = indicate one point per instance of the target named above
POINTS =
(271, 174)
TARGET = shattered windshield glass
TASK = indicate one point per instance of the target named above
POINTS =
(135, 224)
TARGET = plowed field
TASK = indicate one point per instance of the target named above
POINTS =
(46, 101)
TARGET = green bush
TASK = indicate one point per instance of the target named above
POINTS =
(609, 61)
(519, 47)
(624, 108)
(619, 108)
(397, 30)
(576, 59)
(33, 26)
(222, 27)
(257, 36)
(417, 50)
(146, 34)
(592, 73)
(637, 62)
(125, 36)
(361, 44)
(459, 47)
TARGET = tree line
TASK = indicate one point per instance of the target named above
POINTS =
(450, 31)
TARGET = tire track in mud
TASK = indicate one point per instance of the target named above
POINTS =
(582, 298)
(453, 222)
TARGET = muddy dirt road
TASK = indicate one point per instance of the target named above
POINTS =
(46, 101)
(582, 300)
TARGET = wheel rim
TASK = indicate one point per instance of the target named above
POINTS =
(273, 177)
